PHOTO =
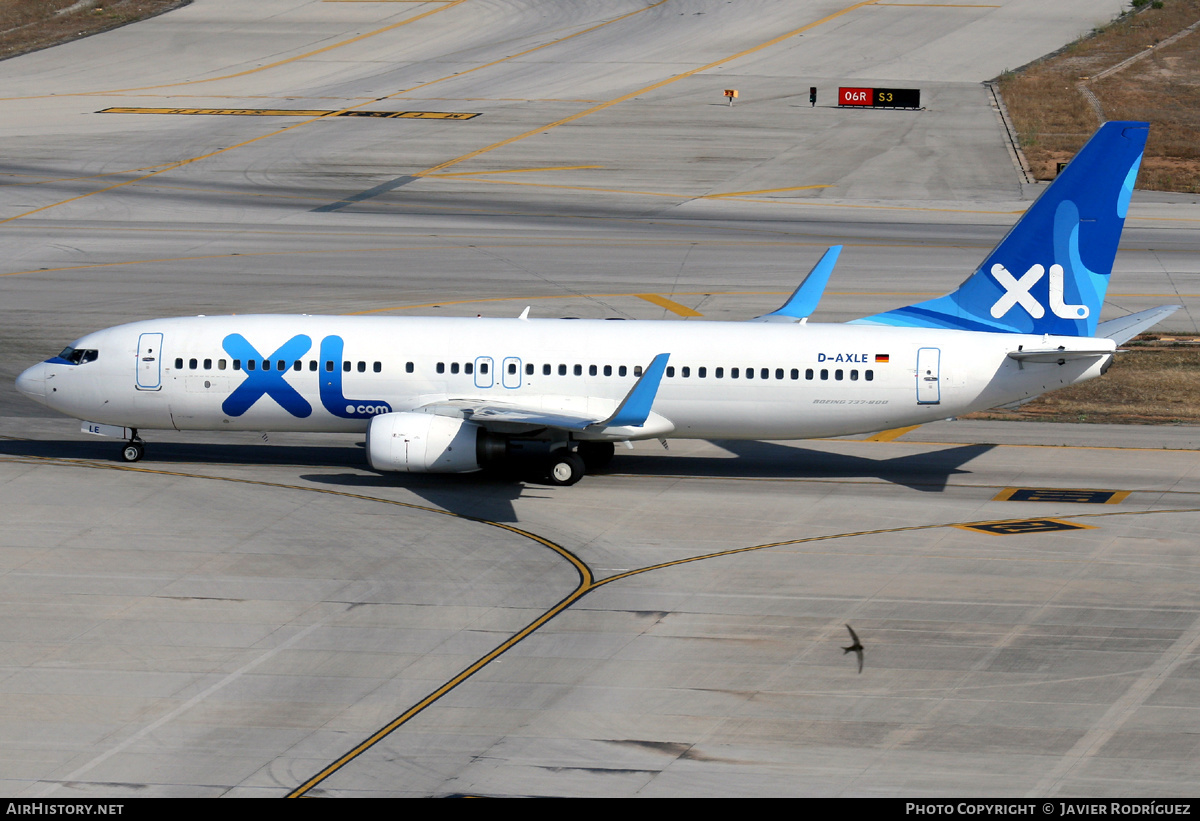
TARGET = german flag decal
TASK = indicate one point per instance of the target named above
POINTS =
(881, 357)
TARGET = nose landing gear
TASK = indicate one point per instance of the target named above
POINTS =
(134, 449)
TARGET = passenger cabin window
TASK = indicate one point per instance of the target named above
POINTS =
(346, 366)
(453, 367)
(441, 367)
(377, 367)
(408, 367)
(178, 364)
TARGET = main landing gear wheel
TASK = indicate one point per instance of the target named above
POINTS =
(133, 451)
(566, 468)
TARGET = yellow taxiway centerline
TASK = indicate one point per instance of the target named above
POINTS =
(671, 305)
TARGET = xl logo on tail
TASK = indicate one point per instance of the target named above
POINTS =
(1017, 292)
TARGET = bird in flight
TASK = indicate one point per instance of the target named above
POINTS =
(856, 647)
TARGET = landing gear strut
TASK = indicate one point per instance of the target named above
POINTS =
(134, 449)
(596, 455)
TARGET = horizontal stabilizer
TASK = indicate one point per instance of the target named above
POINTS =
(1057, 355)
(1125, 328)
(803, 301)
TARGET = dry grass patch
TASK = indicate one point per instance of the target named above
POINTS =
(1053, 117)
(29, 25)
(1156, 381)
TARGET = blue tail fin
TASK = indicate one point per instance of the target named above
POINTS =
(1050, 272)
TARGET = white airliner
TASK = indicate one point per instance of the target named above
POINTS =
(455, 394)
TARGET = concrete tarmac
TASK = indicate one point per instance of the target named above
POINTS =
(263, 615)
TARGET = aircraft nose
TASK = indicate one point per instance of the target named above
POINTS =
(32, 382)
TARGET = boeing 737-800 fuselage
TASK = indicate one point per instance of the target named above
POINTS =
(448, 395)
(722, 380)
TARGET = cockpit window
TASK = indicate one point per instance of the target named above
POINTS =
(79, 356)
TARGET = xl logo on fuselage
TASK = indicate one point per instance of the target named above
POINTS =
(1017, 292)
(263, 380)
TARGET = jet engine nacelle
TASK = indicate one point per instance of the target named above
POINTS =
(426, 443)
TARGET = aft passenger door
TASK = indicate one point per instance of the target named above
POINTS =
(929, 385)
(149, 362)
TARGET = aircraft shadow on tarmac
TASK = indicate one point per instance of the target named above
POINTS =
(929, 471)
(490, 495)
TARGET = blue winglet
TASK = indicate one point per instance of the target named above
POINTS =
(803, 301)
(634, 409)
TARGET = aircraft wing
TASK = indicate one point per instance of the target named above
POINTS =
(631, 417)
(489, 413)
